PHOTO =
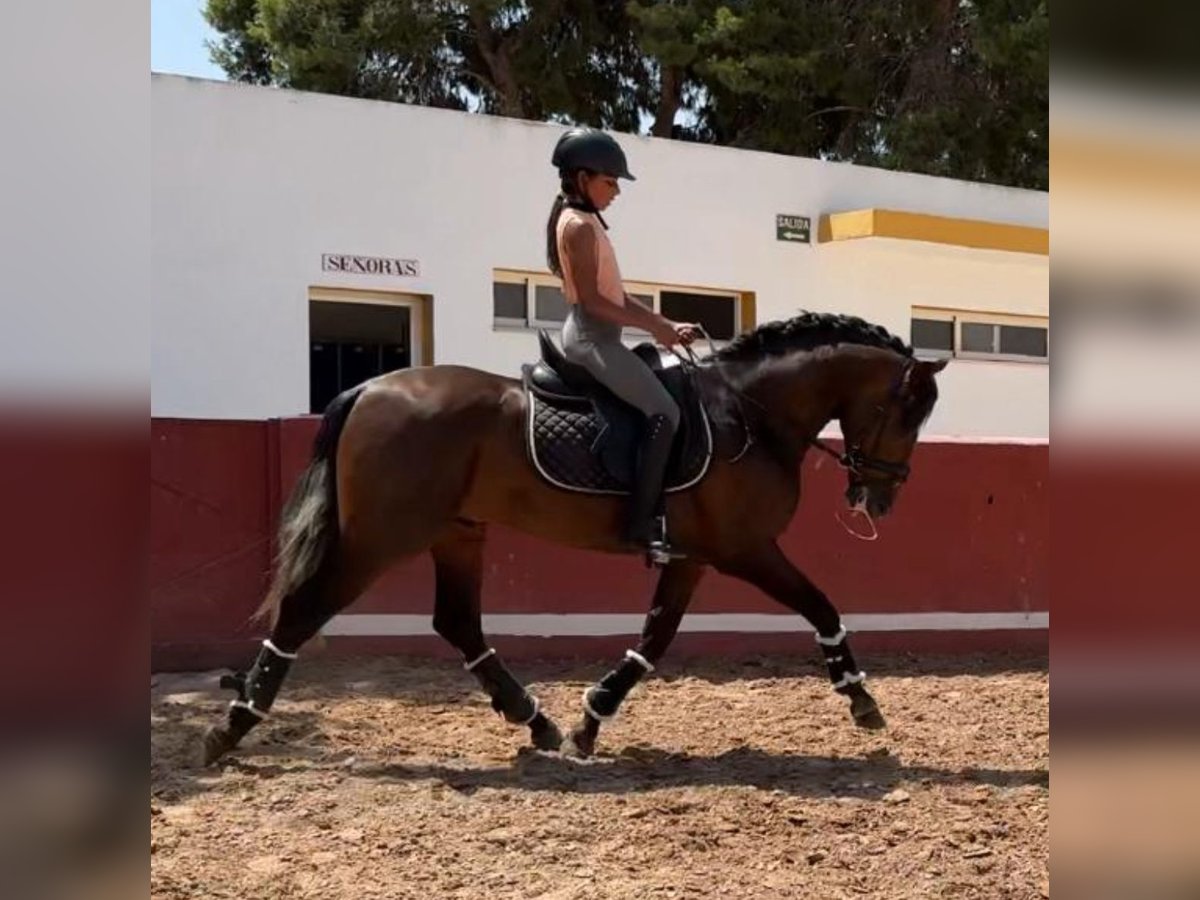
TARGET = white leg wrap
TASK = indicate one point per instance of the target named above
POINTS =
(850, 678)
(640, 660)
(249, 707)
(282, 654)
(537, 708)
(587, 707)
(833, 641)
(471, 666)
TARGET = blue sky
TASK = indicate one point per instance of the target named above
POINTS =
(177, 35)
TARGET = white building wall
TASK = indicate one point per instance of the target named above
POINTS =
(251, 185)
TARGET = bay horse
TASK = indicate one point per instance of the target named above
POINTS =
(421, 460)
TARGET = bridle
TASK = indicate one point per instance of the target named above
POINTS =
(858, 460)
(855, 459)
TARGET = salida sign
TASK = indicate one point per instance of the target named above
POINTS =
(793, 228)
(369, 265)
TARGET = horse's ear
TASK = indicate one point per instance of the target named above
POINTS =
(933, 366)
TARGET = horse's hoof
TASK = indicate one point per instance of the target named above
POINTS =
(545, 735)
(571, 750)
(871, 721)
(217, 742)
(578, 746)
(866, 713)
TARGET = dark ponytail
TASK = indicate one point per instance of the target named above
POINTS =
(569, 195)
(552, 260)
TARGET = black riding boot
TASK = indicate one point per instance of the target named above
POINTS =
(647, 528)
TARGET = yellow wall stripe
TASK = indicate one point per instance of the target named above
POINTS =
(910, 226)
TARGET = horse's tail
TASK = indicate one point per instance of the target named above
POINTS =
(308, 526)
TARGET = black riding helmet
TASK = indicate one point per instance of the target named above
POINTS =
(588, 148)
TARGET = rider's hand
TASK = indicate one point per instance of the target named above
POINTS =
(671, 333)
(686, 332)
(664, 333)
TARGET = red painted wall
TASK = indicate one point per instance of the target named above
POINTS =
(211, 519)
(970, 533)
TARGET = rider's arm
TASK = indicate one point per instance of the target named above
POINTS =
(631, 300)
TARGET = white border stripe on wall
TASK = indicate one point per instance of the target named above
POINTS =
(602, 624)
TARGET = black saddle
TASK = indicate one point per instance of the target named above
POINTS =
(583, 438)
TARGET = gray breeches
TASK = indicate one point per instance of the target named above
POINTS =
(597, 347)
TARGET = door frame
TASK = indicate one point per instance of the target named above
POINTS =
(420, 306)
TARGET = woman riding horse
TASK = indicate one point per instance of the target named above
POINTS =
(420, 460)
(578, 251)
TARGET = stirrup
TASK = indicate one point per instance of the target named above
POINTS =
(658, 551)
(659, 554)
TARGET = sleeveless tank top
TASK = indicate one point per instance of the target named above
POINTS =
(608, 275)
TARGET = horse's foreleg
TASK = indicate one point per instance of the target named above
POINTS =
(768, 569)
(457, 617)
(675, 587)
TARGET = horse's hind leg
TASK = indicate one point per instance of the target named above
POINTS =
(302, 613)
(457, 617)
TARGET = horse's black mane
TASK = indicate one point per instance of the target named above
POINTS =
(806, 332)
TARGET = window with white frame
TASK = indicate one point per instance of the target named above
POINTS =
(977, 335)
(534, 300)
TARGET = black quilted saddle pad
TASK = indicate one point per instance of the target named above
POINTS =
(564, 440)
